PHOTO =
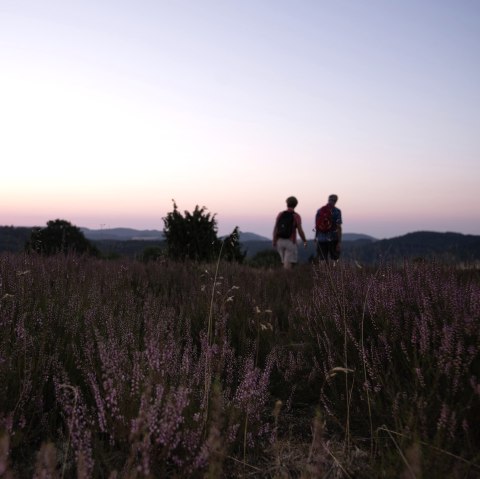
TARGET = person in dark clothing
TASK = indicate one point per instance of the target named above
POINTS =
(329, 232)
(287, 224)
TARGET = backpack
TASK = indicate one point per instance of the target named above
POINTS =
(324, 219)
(285, 224)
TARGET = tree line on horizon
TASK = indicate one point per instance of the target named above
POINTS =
(194, 236)
(188, 236)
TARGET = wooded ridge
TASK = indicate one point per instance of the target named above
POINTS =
(421, 245)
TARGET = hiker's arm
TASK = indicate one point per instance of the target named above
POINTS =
(274, 235)
(302, 235)
(339, 235)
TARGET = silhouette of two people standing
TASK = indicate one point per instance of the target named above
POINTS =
(328, 232)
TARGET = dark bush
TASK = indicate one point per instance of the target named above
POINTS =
(193, 236)
(59, 236)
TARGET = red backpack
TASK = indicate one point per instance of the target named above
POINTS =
(324, 219)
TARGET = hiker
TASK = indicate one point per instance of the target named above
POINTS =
(328, 230)
(285, 233)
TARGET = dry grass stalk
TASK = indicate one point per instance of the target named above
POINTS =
(316, 458)
(4, 453)
(46, 465)
(214, 443)
(413, 456)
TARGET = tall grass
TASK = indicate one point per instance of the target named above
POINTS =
(411, 336)
(125, 369)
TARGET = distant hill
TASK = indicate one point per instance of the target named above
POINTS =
(447, 247)
(346, 237)
(121, 234)
(13, 238)
(356, 237)
(254, 246)
(245, 237)
(424, 245)
(129, 234)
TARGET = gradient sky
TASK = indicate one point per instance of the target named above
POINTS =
(111, 109)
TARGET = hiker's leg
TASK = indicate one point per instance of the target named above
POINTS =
(291, 254)
(322, 251)
(334, 252)
(281, 251)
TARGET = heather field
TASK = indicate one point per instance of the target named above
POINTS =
(123, 369)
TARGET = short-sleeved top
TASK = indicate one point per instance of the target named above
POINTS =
(331, 235)
(297, 221)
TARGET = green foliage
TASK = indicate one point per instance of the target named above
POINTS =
(193, 236)
(59, 236)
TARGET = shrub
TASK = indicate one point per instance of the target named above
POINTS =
(268, 258)
(59, 236)
(193, 236)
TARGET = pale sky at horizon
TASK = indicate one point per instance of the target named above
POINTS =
(111, 109)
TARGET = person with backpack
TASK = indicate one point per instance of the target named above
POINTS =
(287, 224)
(328, 230)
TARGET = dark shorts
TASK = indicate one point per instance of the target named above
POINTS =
(327, 250)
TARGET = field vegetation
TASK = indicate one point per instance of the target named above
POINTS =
(129, 369)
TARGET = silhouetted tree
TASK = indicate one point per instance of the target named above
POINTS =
(194, 236)
(59, 236)
(231, 249)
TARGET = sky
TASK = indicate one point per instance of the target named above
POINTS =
(111, 109)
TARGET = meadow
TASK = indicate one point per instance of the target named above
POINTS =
(125, 369)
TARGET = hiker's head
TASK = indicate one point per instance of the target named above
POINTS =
(332, 199)
(292, 202)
